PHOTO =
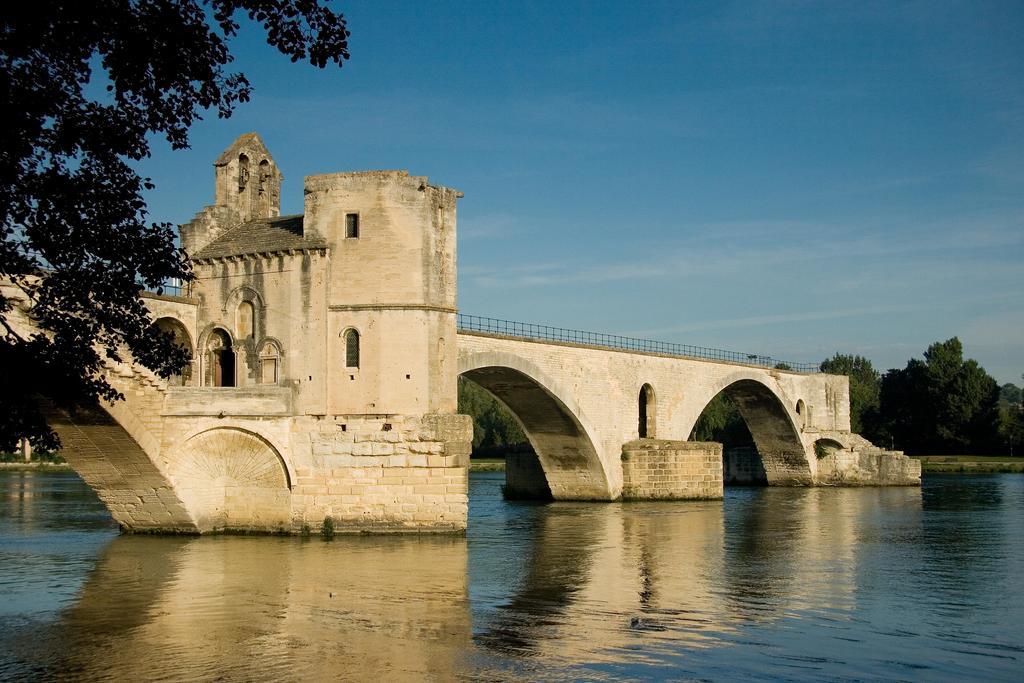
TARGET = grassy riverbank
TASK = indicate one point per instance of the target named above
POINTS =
(969, 464)
(487, 465)
(35, 466)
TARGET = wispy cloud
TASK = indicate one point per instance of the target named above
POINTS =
(487, 227)
(749, 248)
(782, 318)
(1002, 322)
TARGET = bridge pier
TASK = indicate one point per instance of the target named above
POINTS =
(657, 469)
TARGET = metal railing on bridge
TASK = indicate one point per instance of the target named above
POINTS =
(172, 287)
(509, 328)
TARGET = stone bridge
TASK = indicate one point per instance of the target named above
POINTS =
(326, 351)
(579, 404)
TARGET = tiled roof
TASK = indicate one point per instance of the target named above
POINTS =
(262, 235)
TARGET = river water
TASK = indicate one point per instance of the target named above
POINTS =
(770, 584)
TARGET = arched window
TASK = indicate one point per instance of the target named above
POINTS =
(243, 171)
(801, 410)
(270, 363)
(245, 320)
(221, 359)
(645, 423)
(351, 348)
(264, 176)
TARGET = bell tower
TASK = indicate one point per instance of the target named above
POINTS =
(247, 179)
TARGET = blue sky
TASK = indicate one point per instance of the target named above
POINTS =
(785, 178)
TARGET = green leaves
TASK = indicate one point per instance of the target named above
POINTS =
(85, 87)
(493, 424)
(941, 405)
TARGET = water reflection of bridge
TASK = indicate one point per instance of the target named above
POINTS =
(586, 583)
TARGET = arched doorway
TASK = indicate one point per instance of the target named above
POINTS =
(220, 359)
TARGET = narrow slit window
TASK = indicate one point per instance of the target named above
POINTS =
(351, 349)
(352, 225)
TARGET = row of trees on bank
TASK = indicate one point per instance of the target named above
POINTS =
(494, 428)
(940, 404)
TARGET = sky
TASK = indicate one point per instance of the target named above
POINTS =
(790, 179)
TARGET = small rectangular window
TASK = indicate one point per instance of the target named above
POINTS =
(352, 225)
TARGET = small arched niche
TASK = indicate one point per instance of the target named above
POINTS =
(646, 412)
(270, 362)
(243, 172)
(245, 320)
(264, 177)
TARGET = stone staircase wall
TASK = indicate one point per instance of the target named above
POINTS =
(115, 449)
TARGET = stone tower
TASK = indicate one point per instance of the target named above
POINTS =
(391, 290)
(248, 180)
(247, 188)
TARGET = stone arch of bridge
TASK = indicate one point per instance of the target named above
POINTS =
(560, 434)
(177, 329)
(772, 424)
(231, 478)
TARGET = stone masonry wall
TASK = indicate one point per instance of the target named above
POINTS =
(743, 467)
(870, 466)
(385, 474)
(654, 469)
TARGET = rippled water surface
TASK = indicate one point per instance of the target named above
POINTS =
(864, 584)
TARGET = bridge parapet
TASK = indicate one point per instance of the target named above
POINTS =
(599, 340)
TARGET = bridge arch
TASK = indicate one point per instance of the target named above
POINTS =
(550, 418)
(232, 479)
(176, 328)
(773, 425)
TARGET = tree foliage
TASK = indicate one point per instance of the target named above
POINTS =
(940, 405)
(865, 390)
(721, 421)
(1009, 395)
(86, 86)
(1011, 417)
(494, 426)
